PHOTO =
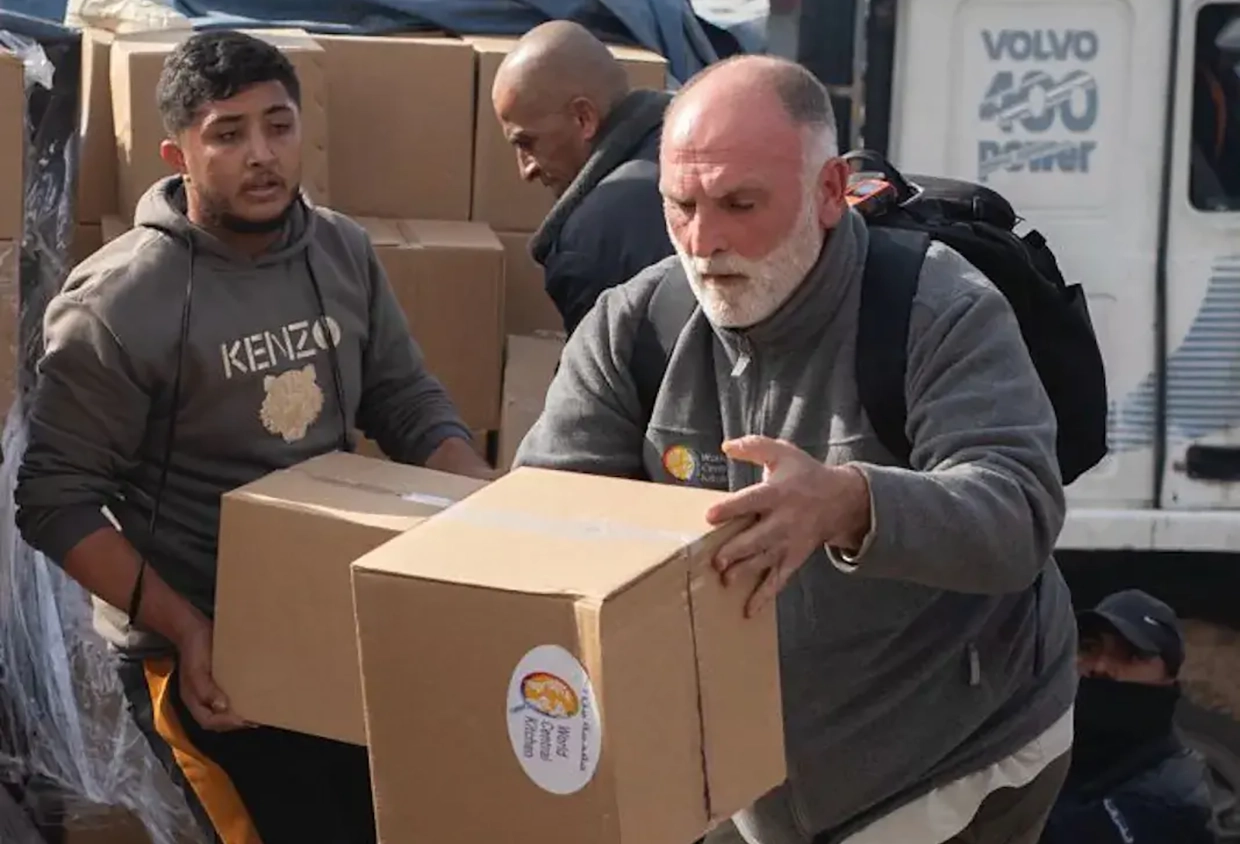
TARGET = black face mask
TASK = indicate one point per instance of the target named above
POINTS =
(1113, 719)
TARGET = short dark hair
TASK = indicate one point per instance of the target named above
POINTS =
(217, 65)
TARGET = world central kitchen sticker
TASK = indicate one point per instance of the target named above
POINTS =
(553, 720)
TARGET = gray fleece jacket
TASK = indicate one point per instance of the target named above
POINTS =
(934, 656)
(258, 388)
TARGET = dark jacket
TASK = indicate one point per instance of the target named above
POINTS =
(608, 226)
(1157, 795)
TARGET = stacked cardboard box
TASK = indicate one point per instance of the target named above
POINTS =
(528, 369)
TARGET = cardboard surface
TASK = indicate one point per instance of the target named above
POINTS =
(500, 198)
(12, 146)
(529, 365)
(87, 238)
(527, 307)
(135, 65)
(10, 324)
(577, 663)
(284, 612)
(449, 280)
(400, 126)
(96, 132)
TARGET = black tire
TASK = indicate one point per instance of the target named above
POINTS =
(1216, 737)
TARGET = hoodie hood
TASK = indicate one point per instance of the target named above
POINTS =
(163, 207)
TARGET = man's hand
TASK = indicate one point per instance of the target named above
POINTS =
(458, 457)
(202, 697)
(801, 505)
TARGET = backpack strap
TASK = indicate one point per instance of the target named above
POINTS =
(667, 312)
(888, 286)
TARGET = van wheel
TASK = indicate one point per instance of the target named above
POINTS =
(1217, 738)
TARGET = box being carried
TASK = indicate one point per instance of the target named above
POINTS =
(285, 649)
(554, 660)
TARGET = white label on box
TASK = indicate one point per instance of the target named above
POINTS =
(424, 498)
(553, 720)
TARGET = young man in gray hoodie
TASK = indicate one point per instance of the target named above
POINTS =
(234, 331)
(564, 103)
(927, 669)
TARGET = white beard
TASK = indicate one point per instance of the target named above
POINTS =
(768, 281)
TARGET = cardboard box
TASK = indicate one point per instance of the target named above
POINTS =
(400, 126)
(527, 307)
(12, 146)
(449, 280)
(529, 365)
(558, 651)
(369, 448)
(10, 324)
(284, 611)
(90, 237)
(501, 199)
(96, 132)
(87, 239)
(136, 62)
(111, 227)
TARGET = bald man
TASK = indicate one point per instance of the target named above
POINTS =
(565, 106)
(926, 638)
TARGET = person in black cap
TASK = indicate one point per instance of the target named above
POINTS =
(1131, 779)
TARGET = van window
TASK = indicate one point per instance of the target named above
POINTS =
(1214, 183)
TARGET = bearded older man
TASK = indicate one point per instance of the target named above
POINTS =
(926, 637)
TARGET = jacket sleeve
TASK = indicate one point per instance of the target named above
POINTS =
(403, 408)
(617, 232)
(87, 422)
(983, 506)
(591, 421)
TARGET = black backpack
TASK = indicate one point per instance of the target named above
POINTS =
(978, 223)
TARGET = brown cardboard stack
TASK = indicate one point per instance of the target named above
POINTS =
(284, 612)
(527, 307)
(529, 366)
(553, 659)
(449, 280)
(12, 192)
(97, 187)
(400, 120)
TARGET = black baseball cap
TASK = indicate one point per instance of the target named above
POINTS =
(1143, 621)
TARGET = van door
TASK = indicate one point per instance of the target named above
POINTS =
(1202, 465)
(1058, 106)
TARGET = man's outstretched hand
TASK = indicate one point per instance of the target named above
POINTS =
(800, 506)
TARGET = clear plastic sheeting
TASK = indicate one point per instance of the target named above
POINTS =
(68, 742)
(70, 754)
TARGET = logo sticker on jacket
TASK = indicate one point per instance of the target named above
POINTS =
(696, 468)
(292, 403)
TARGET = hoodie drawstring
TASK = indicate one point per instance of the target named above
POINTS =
(346, 442)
